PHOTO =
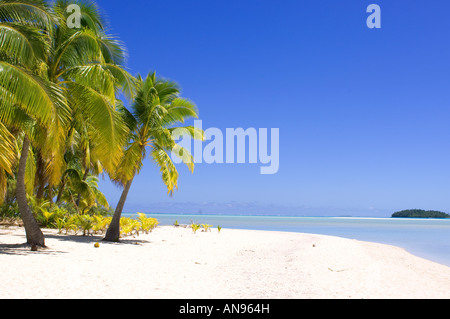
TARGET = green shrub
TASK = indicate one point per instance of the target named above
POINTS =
(195, 227)
(206, 227)
(85, 223)
(60, 224)
(129, 227)
(100, 224)
(147, 223)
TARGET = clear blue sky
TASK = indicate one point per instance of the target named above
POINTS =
(363, 113)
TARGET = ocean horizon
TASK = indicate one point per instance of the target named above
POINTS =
(427, 238)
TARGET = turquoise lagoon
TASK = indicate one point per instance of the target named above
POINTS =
(426, 238)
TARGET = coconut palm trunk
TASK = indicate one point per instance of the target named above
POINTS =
(113, 232)
(32, 230)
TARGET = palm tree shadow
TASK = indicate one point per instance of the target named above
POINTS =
(96, 239)
(14, 249)
(24, 249)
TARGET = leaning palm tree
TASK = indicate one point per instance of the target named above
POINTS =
(156, 112)
(27, 98)
(51, 78)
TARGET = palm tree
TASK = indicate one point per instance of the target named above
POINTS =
(87, 187)
(88, 64)
(51, 78)
(27, 98)
(156, 112)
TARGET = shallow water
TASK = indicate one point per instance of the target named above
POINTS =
(426, 238)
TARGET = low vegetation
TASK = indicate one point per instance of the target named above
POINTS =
(95, 222)
(205, 227)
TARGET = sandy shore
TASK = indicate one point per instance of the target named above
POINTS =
(175, 263)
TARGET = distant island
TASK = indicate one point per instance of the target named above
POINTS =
(420, 213)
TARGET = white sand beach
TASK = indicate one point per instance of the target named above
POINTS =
(175, 263)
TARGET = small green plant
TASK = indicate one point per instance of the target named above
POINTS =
(60, 223)
(85, 222)
(195, 227)
(47, 217)
(129, 227)
(100, 224)
(147, 223)
(71, 224)
(206, 227)
(219, 228)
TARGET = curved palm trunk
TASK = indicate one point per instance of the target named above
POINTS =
(113, 232)
(32, 230)
(50, 194)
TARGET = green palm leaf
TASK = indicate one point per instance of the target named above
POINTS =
(124, 80)
(80, 48)
(34, 13)
(106, 122)
(178, 111)
(8, 150)
(168, 170)
(22, 44)
(38, 98)
(90, 14)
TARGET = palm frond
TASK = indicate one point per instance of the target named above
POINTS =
(124, 80)
(22, 44)
(80, 48)
(94, 76)
(127, 116)
(185, 156)
(39, 98)
(8, 150)
(113, 50)
(90, 14)
(107, 123)
(34, 13)
(130, 164)
(168, 170)
(194, 132)
(178, 111)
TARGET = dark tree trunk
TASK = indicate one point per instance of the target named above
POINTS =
(113, 232)
(32, 230)
(40, 192)
(50, 194)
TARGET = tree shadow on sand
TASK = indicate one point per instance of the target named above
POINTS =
(96, 239)
(26, 249)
